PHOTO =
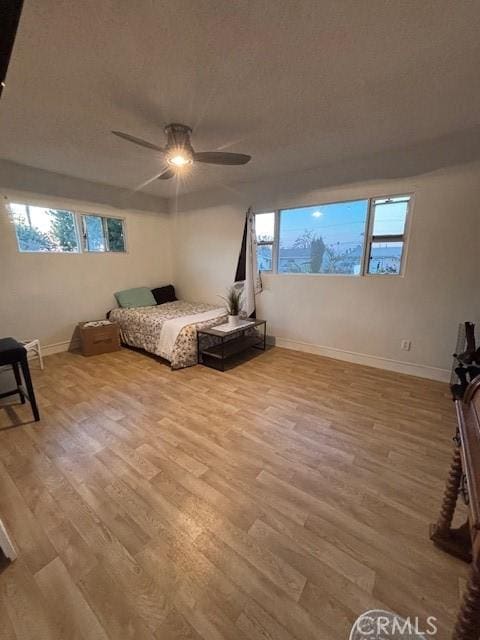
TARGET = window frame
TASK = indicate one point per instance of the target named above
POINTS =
(83, 215)
(42, 205)
(368, 236)
(78, 215)
(272, 242)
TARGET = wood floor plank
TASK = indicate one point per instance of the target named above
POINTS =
(242, 512)
(7, 631)
(178, 563)
(280, 573)
(72, 614)
(258, 625)
(176, 626)
(284, 610)
(76, 554)
(318, 571)
(29, 612)
(30, 538)
(112, 606)
(209, 622)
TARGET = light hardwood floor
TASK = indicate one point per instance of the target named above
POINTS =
(279, 500)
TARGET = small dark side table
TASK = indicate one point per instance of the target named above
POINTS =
(215, 347)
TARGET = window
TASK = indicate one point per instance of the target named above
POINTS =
(323, 239)
(115, 235)
(386, 241)
(44, 230)
(103, 234)
(265, 232)
(48, 230)
(93, 233)
(359, 237)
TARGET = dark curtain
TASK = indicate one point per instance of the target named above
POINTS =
(242, 258)
(240, 273)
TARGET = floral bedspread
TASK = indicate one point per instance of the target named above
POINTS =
(140, 327)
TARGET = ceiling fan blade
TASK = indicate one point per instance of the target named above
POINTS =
(166, 175)
(221, 157)
(142, 143)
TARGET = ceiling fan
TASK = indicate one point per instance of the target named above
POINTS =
(179, 151)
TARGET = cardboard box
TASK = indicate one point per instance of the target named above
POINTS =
(101, 339)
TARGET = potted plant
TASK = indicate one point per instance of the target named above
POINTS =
(233, 300)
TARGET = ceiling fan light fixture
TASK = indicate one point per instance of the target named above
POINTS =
(178, 153)
(179, 157)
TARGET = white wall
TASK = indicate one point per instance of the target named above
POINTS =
(46, 295)
(362, 319)
(356, 318)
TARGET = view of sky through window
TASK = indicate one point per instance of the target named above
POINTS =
(326, 238)
(264, 226)
(390, 218)
(339, 223)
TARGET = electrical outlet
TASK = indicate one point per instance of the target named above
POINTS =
(406, 345)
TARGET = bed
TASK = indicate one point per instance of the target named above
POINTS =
(168, 330)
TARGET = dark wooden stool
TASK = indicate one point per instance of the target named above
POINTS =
(15, 354)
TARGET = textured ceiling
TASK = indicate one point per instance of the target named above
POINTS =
(295, 83)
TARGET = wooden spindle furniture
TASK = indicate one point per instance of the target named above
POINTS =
(464, 542)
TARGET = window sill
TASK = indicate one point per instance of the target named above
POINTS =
(335, 275)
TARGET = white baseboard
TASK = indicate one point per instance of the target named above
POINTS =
(419, 370)
(50, 349)
(409, 368)
(58, 347)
